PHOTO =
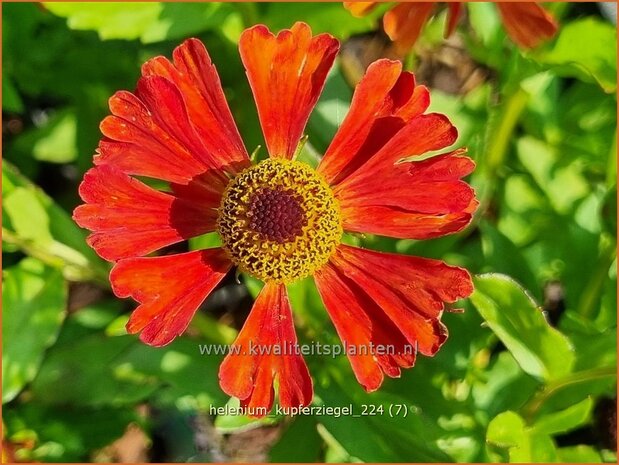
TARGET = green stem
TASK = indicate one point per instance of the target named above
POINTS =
(590, 298)
(532, 407)
(509, 116)
(499, 137)
(72, 270)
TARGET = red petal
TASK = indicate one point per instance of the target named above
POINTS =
(360, 9)
(390, 300)
(528, 24)
(129, 219)
(403, 24)
(391, 222)
(453, 15)
(136, 144)
(422, 282)
(286, 74)
(430, 186)
(249, 376)
(169, 289)
(413, 200)
(384, 101)
(363, 326)
(195, 76)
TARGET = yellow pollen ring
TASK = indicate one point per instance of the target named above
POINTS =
(279, 221)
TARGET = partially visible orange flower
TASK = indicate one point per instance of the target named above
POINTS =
(527, 23)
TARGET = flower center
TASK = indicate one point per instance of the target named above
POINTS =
(276, 214)
(279, 221)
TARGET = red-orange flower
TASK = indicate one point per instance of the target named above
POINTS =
(527, 23)
(279, 220)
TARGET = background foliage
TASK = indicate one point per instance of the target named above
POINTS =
(529, 371)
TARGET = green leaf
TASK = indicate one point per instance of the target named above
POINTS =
(508, 431)
(28, 216)
(502, 256)
(150, 22)
(300, 443)
(332, 18)
(11, 101)
(541, 351)
(586, 49)
(609, 211)
(97, 371)
(579, 454)
(565, 420)
(34, 300)
(183, 19)
(396, 438)
(542, 161)
(507, 386)
(36, 225)
(90, 372)
(114, 20)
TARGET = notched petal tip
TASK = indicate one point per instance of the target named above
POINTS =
(249, 373)
(286, 73)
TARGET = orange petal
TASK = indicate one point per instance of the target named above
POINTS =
(253, 363)
(430, 186)
(287, 74)
(384, 101)
(130, 219)
(388, 300)
(527, 23)
(391, 222)
(195, 76)
(136, 144)
(412, 200)
(403, 24)
(360, 9)
(169, 289)
(364, 329)
(422, 134)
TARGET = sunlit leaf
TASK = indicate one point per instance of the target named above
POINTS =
(587, 49)
(36, 225)
(541, 350)
(508, 431)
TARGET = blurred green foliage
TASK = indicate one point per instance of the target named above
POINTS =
(527, 364)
